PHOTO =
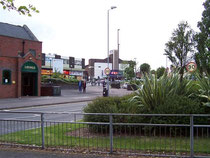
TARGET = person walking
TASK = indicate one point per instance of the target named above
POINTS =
(80, 86)
(84, 86)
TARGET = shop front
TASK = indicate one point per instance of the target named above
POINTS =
(29, 79)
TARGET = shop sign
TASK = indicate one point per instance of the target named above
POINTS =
(58, 65)
(116, 73)
(46, 72)
(66, 72)
(76, 73)
(29, 67)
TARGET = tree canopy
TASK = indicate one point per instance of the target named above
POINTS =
(129, 71)
(24, 10)
(160, 71)
(202, 56)
(144, 68)
(179, 46)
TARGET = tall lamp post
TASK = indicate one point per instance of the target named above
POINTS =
(118, 40)
(112, 7)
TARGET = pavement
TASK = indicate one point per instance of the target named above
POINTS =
(28, 153)
(67, 96)
(11, 152)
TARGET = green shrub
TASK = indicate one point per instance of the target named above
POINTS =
(155, 91)
(70, 80)
(204, 89)
(178, 105)
(43, 78)
(109, 105)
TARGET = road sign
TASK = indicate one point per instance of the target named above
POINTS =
(107, 71)
(191, 66)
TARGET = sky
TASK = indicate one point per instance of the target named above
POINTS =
(78, 28)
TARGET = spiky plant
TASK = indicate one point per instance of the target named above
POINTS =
(155, 91)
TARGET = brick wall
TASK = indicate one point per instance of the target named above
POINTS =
(9, 59)
(8, 91)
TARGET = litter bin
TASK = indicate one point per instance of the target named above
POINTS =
(56, 90)
(105, 92)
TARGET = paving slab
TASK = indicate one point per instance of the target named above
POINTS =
(67, 96)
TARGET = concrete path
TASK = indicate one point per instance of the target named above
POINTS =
(67, 96)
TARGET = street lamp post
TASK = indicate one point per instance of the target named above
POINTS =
(112, 7)
(118, 40)
(50, 69)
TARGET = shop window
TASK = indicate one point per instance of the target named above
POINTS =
(6, 77)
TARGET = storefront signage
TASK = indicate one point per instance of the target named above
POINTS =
(46, 72)
(29, 67)
(66, 72)
(58, 65)
(76, 73)
(116, 73)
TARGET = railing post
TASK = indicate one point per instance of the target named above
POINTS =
(42, 129)
(111, 133)
(75, 118)
(191, 136)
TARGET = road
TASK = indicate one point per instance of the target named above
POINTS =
(17, 124)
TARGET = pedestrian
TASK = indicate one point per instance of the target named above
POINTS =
(80, 86)
(84, 86)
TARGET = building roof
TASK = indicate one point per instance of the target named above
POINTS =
(16, 31)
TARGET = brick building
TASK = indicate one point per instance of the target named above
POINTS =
(20, 62)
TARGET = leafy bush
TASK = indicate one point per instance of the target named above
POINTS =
(70, 80)
(204, 89)
(43, 78)
(56, 75)
(178, 105)
(109, 105)
(155, 91)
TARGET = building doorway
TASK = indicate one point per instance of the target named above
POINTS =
(29, 84)
(29, 79)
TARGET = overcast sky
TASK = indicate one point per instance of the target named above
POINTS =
(78, 28)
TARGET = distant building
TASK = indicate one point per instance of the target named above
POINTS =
(20, 62)
(68, 66)
(95, 68)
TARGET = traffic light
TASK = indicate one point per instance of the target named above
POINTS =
(71, 62)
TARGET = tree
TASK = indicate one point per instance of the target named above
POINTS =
(129, 71)
(160, 71)
(202, 56)
(153, 72)
(179, 47)
(145, 68)
(24, 10)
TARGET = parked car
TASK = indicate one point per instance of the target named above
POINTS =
(125, 85)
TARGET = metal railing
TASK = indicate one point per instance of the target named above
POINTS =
(139, 134)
